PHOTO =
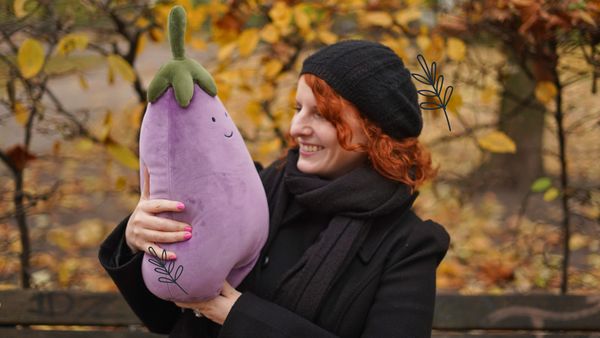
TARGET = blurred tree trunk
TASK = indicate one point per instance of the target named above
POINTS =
(522, 119)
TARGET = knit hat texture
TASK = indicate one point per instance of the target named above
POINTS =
(374, 79)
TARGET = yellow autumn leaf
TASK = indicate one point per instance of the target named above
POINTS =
(83, 82)
(19, 8)
(270, 33)
(248, 41)
(456, 49)
(423, 41)
(399, 46)
(435, 48)
(405, 16)
(281, 14)
(121, 67)
(141, 44)
(266, 92)
(60, 238)
(226, 51)
(456, 101)
(269, 147)
(255, 112)
(106, 126)
(84, 145)
(488, 94)
(196, 17)
(157, 35)
(122, 154)
(66, 271)
(327, 37)
(30, 58)
(272, 68)
(497, 142)
(198, 44)
(121, 183)
(379, 18)
(551, 194)
(545, 91)
(89, 233)
(301, 18)
(71, 42)
(21, 113)
(142, 22)
(135, 115)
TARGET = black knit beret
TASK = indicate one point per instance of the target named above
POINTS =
(374, 79)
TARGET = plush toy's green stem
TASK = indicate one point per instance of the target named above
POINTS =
(181, 73)
(177, 23)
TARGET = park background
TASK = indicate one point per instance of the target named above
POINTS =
(518, 186)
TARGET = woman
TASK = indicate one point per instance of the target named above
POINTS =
(346, 256)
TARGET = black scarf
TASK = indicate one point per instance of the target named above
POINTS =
(353, 200)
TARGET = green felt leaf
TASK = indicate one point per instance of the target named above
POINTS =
(180, 73)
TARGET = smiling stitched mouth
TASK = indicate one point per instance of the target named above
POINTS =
(231, 134)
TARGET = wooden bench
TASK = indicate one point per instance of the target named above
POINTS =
(72, 314)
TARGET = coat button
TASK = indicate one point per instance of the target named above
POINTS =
(265, 261)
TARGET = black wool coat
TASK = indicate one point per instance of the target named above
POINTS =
(387, 289)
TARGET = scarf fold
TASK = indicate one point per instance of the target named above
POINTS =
(353, 200)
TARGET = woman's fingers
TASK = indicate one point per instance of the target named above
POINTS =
(161, 205)
(154, 236)
(162, 224)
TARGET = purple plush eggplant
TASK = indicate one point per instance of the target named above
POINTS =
(195, 154)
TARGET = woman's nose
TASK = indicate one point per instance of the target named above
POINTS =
(299, 127)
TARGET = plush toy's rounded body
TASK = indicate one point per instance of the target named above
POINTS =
(196, 155)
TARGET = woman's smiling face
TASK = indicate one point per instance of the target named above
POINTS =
(320, 151)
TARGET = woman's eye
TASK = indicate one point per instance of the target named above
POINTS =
(225, 114)
(297, 109)
(318, 115)
(214, 120)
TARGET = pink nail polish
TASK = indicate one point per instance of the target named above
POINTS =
(180, 206)
(172, 256)
(187, 235)
(188, 229)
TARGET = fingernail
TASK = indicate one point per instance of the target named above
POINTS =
(187, 235)
(188, 228)
(172, 256)
(180, 206)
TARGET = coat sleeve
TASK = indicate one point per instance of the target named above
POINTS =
(405, 299)
(252, 316)
(125, 269)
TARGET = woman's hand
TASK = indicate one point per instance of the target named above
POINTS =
(144, 229)
(218, 308)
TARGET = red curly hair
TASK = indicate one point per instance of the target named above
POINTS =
(405, 160)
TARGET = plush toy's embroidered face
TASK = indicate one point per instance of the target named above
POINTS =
(227, 134)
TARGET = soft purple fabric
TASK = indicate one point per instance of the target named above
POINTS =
(197, 156)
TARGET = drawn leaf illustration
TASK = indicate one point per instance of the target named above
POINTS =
(161, 271)
(421, 78)
(428, 93)
(165, 267)
(439, 84)
(154, 262)
(430, 105)
(447, 95)
(178, 272)
(164, 280)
